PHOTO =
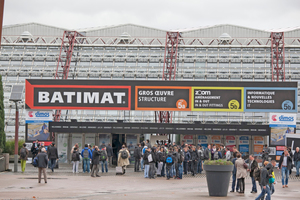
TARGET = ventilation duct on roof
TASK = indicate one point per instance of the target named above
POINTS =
(225, 39)
(124, 38)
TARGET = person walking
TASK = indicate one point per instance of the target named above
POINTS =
(285, 164)
(252, 166)
(234, 180)
(241, 172)
(52, 155)
(75, 159)
(264, 183)
(23, 157)
(95, 161)
(297, 161)
(123, 158)
(42, 158)
(110, 154)
(137, 157)
(86, 154)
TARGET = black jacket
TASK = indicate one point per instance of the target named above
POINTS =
(42, 160)
(33, 149)
(206, 153)
(176, 156)
(297, 156)
(153, 157)
(145, 157)
(187, 156)
(162, 156)
(289, 162)
(109, 151)
(77, 155)
(52, 152)
(96, 157)
(194, 155)
(170, 164)
(253, 166)
(137, 153)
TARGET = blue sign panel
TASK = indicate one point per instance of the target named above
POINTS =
(270, 99)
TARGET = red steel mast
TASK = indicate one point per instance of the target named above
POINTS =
(277, 56)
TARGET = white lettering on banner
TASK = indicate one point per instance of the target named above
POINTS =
(43, 97)
(57, 97)
(88, 97)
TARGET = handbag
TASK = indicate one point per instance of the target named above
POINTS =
(245, 166)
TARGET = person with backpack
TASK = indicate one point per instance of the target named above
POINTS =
(123, 158)
(103, 159)
(42, 163)
(252, 166)
(200, 159)
(75, 159)
(87, 156)
(187, 158)
(264, 183)
(95, 162)
(169, 163)
(137, 154)
(52, 155)
(23, 157)
(146, 162)
(152, 161)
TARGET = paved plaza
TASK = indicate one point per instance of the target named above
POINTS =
(63, 184)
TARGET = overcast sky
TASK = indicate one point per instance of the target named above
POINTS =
(162, 14)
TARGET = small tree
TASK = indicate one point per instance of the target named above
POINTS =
(2, 133)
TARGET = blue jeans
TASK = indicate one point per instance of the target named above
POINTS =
(263, 192)
(235, 181)
(146, 171)
(284, 173)
(272, 188)
(168, 171)
(86, 165)
(142, 163)
(254, 189)
(102, 163)
(53, 162)
(297, 164)
(163, 170)
(180, 169)
(185, 167)
(173, 171)
(199, 166)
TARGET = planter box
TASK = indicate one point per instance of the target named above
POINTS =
(218, 177)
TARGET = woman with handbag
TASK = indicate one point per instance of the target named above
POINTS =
(241, 172)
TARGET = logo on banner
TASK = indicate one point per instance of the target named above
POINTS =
(282, 119)
(30, 114)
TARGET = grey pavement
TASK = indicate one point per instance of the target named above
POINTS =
(63, 184)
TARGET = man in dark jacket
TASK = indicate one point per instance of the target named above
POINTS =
(285, 164)
(137, 157)
(234, 181)
(34, 148)
(169, 164)
(223, 151)
(207, 153)
(187, 158)
(146, 162)
(252, 166)
(264, 183)
(194, 158)
(52, 155)
(162, 158)
(95, 161)
(109, 151)
(152, 163)
(297, 161)
(42, 164)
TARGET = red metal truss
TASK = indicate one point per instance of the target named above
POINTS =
(169, 70)
(277, 56)
(65, 58)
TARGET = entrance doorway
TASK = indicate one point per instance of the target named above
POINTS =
(117, 141)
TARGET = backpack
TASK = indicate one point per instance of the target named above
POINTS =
(256, 174)
(23, 153)
(150, 159)
(163, 157)
(35, 161)
(86, 153)
(103, 156)
(169, 160)
(216, 155)
(124, 154)
(74, 156)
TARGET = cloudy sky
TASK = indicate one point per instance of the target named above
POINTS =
(162, 14)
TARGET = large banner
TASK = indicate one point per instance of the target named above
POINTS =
(37, 125)
(161, 95)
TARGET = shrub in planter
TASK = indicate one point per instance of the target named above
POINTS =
(10, 146)
(218, 174)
